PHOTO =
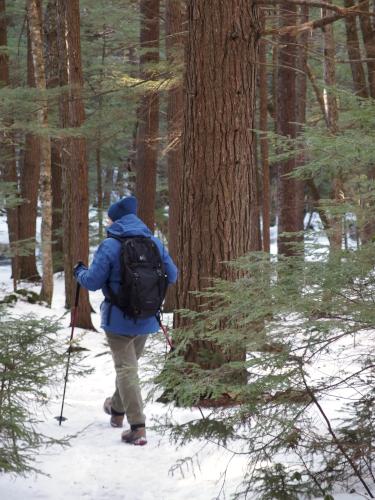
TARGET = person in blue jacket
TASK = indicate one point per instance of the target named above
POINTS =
(126, 337)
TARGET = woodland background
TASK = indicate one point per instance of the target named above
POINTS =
(228, 120)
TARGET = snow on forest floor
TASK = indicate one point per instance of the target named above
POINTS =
(97, 465)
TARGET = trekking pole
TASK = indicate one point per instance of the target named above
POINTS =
(165, 332)
(60, 418)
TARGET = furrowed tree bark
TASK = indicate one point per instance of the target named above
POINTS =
(8, 167)
(148, 115)
(219, 219)
(263, 141)
(290, 190)
(354, 53)
(29, 182)
(53, 81)
(35, 25)
(175, 51)
(368, 34)
(301, 96)
(75, 168)
(329, 67)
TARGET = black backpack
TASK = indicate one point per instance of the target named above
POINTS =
(143, 278)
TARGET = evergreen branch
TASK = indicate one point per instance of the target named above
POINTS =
(333, 434)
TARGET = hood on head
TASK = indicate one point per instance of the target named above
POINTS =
(128, 225)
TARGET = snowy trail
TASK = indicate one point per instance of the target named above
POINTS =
(97, 465)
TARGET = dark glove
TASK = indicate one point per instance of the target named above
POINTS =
(78, 267)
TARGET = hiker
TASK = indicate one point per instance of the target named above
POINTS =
(126, 335)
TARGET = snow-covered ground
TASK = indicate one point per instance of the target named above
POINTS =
(97, 465)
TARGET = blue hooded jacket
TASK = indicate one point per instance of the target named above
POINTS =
(106, 270)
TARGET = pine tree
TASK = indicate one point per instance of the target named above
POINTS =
(52, 76)
(30, 175)
(219, 219)
(148, 114)
(174, 50)
(35, 27)
(290, 190)
(75, 168)
(8, 167)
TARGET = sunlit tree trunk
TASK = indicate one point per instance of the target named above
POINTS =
(29, 183)
(219, 219)
(35, 26)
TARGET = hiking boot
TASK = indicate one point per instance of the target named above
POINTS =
(107, 406)
(135, 435)
(116, 417)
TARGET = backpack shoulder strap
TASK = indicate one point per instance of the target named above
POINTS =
(111, 295)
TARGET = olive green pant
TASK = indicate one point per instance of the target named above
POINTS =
(127, 398)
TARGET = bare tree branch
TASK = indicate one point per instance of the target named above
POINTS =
(318, 23)
(343, 11)
(334, 437)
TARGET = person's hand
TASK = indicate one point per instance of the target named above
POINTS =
(78, 267)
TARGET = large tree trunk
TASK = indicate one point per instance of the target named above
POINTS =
(174, 48)
(75, 168)
(301, 96)
(8, 169)
(264, 149)
(219, 219)
(30, 173)
(330, 100)
(35, 26)
(290, 190)
(148, 115)
(354, 53)
(368, 33)
(52, 76)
